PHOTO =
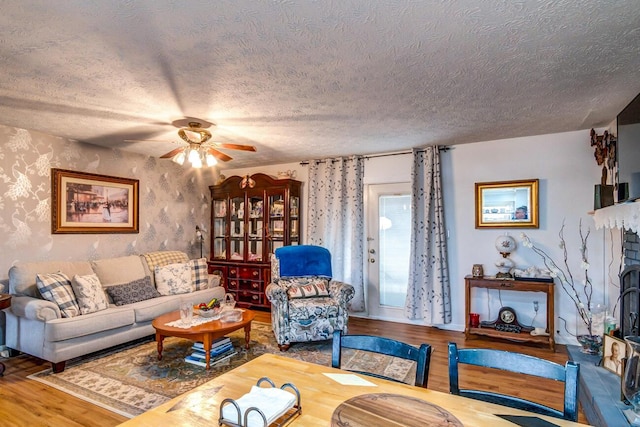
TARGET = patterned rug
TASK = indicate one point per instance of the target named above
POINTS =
(130, 380)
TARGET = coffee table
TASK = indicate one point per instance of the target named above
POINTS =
(5, 302)
(206, 332)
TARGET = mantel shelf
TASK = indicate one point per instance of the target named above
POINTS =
(623, 215)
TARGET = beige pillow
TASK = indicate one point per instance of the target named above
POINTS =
(89, 293)
(174, 279)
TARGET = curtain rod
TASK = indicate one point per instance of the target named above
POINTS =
(372, 156)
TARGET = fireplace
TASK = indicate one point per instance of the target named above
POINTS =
(630, 301)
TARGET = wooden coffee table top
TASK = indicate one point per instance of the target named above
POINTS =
(5, 301)
(160, 324)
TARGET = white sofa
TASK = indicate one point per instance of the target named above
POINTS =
(37, 327)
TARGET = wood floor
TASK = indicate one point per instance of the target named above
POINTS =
(29, 403)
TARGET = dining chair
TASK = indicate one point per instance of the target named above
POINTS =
(519, 363)
(386, 346)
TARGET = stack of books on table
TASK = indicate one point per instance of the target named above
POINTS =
(221, 349)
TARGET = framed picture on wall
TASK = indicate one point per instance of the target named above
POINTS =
(90, 203)
(507, 204)
(613, 351)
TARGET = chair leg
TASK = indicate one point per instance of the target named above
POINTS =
(284, 347)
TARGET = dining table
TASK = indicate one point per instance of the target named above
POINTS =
(334, 397)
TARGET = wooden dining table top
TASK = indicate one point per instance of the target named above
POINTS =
(323, 398)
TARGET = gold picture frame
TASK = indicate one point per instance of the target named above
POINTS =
(507, 204)
(91, 203)
(614, 350)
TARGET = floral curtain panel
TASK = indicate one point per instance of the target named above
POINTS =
(428, 293)
(336, 218)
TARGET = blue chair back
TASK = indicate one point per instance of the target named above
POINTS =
(518, 363)
(387, 346)
(304, 260)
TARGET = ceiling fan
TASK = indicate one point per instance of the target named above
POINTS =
(200, 148)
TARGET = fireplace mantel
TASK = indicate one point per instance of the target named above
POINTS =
(622, 215)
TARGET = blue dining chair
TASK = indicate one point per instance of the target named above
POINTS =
(386, 346)
(519, 363)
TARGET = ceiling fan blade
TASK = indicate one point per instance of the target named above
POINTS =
(219, 155)
(235, 146)
(172, 153)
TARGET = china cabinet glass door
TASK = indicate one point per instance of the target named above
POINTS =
(255, 227)
(276, 221)
(219, 228)
(294, 222)
(236, 229)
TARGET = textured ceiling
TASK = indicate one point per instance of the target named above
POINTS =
(302, 79)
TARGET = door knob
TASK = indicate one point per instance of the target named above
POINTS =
(372, 251)
(372, 261)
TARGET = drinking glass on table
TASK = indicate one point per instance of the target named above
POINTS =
(186, 313)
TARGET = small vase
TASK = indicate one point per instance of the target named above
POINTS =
(591, 344)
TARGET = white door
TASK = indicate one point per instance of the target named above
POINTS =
(388, 237)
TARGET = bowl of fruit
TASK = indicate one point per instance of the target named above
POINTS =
(210, 309)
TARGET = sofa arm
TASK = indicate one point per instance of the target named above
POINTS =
(277, 294)
(341, 291)
(34, 308)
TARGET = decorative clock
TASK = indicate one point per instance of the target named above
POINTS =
(507, 321)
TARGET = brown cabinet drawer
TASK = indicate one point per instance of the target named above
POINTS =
(245, 273)
(249, 297)
(250, 285)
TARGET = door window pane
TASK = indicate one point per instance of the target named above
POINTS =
(394, 238)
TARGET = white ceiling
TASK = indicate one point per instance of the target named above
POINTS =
(303, 79)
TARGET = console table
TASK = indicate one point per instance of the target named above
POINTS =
(528, 285)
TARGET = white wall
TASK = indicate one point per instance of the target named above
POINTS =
(564, 164)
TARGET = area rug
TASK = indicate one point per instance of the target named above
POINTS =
(130, 380)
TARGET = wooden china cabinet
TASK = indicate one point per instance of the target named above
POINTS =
(251, 216)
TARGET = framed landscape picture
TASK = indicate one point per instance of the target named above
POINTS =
(90, 203)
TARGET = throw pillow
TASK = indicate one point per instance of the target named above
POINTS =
(89, 293)
(199, 274)
(174, 279)
(308, 288)
(128, 293)
(56, 287)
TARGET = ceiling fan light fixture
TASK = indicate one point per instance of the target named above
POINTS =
(179, 158)
(196, 162)
(211, 160)
(194, 155)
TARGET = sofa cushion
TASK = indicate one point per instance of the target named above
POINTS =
(174, 279)
(56, 287)
(199, 274)
(128, 293)
(116, 271)
(104, 320)
(311, 308)
(22, 276)
(309, 288)
(89, 293)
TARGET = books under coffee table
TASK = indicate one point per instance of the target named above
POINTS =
(207, 332)
(221, 349)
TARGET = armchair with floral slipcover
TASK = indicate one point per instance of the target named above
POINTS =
(306, 305)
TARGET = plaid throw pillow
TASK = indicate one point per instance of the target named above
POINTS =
(162, 258)
(56, 287)
(199, 274)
